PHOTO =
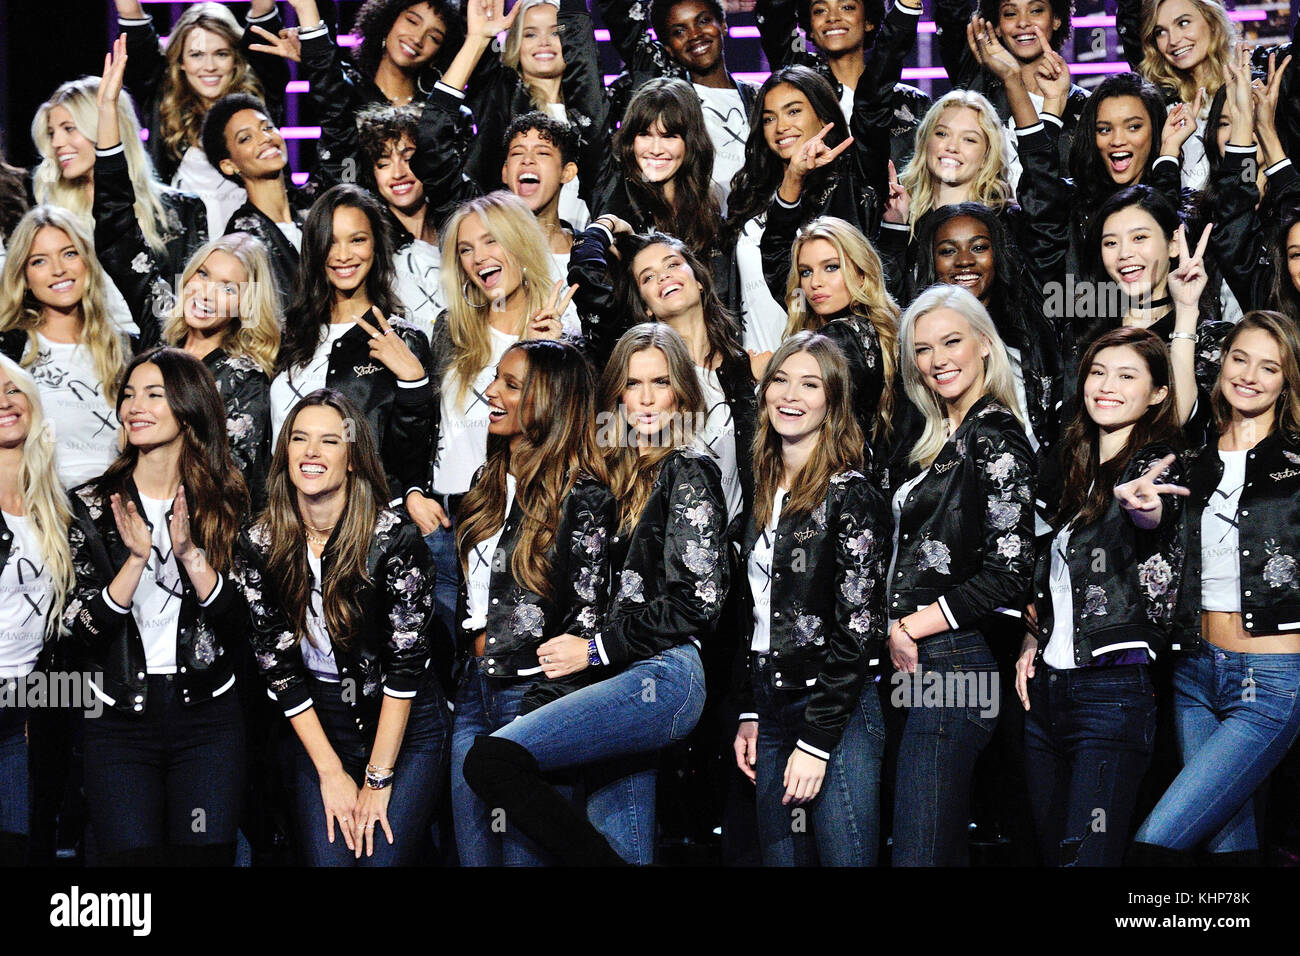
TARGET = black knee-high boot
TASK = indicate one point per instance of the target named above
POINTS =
(506, 775)
(1149, 854)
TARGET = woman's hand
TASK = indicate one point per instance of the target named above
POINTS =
(1025, 668)
(746, 749)
(286, 45)
(1187, 282)
(131, 527)
(369, 816)
(338, 794)
(1141, 496)
(545, 322)
(902, 650)
(803, 777)
(989, 51)
(563, 655)
(387, 346)
(1180, 124)
(426, 512)
(814, 154)
(179, 528)
(1265, 99)
(487, 18)
(899, 206)
(1053, 76)
(109, 133)
(758, 363)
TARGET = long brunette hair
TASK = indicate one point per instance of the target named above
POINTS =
(1283, 331)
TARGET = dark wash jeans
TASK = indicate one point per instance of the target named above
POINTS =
(417, 778)
(936, 757)
(170, 776)
(1089, 735)
(15, 800)
(841, 826)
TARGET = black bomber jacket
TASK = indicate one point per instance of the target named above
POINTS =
(1124, 581)
(1268, 529)
(103, 637)
(390, 652)
(966, 530)
(826, 619)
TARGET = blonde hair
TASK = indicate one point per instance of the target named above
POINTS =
(999, 380)
(78, 98)
(180, 109)
(44, 501)
(514, 40)
(255, 332)
(990, 185)
(19, 308)
(865, 283)
(1154, 66)
(515, 229)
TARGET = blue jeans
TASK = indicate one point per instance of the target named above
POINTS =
(1089, 734)
(841, 826)
(625, 718)
(446, 588)
(1236, 716)
(14, 783)
(172, 775)
(942, 738)
(416, 782)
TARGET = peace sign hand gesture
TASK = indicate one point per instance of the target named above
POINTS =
(1141, 496)
(545, 322)
(814, 154)
(1187, 282)
(387, 346)
(899, 206)
(286, 45)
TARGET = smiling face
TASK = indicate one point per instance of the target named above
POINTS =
(658, 154)
(963, 255)
(55, 271)
(15, 413)
(504, 395)
(74, 153)
(256, 148)
(694, 36)
(1251, 377)
(535, 170)
(1016, 22)
(1135, 252)
(485, 261)
(212, 294)
(957, 147)
(950, 356)
(1293, 255)
(540, 54)
(667, 285)
(649, 400)
(208, 62)
(821, 278)
(144, 410)
(414, 37)
(1123, 136)
(352, 249)
(318, 451)
(796, 398)
(788, 120)
(1182, 35)
(1118, 388)
(837, 26)
(397, 185)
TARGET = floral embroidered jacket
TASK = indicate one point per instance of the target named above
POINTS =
(389, 654)
(673, 569)
(827, 620)
(1124, 581)
(1268, 530)
(966, 531)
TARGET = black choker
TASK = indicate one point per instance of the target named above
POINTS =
(1154, 303)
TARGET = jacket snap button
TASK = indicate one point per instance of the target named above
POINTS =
(616, 539)
(140, 676)
(1249, 625)
(491, 660)
(183, 670)
(1247, 594)
(1248, 614)
(778, 683)
(776, 613)
(492, 640)
(1244, 513)
(492, 670)
(1245, 551)
(496, 601)
(777, 674)
(905, 537)
(139, 706)
(138, 698)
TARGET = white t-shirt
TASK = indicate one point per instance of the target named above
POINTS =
(765, 318)
(26, 591)
(1196, 165)
(220, 196)
(1220, 557)
(85, 424)
(317, 648)
(1059, 652)
(569, 320)
(760, 578)
(718, 438)
(478, 582)
(419, 283)
(900, 496)
(290, 386)
(157, 602)
(846, 105)
(573, 209)
(728, 126)
(292, 232)
(462, 435)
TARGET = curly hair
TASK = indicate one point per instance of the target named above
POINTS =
(563, 136)
(1063, 10)
(376, 18)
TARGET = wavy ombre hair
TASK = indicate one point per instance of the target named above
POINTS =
(78, 98)
(990, 186)
(632, 475)
(1154, 66)
(516, 231)
(20, 309)
(180, 109)
(366, 492)
(841, 445)
(557, 415)
(999, 380)
(864, 278)
(44, 501)
(255, 331)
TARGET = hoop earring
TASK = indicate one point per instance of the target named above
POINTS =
(464, 291)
